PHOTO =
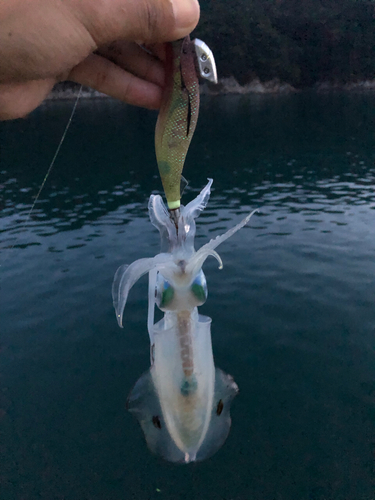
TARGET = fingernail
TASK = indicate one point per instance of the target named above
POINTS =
(186, 14)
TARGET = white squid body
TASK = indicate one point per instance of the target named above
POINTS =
(182, 402)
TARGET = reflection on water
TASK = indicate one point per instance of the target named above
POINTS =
(293, 309)
(269, 166)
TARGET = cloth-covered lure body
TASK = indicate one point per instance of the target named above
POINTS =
(182, 402)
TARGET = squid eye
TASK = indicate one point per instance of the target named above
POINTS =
(164, 293)
(199, 288)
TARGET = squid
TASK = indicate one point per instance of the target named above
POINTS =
(182, 402)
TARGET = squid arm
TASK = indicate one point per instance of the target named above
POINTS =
(209, 248)
(126, 276)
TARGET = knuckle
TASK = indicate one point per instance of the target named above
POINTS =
(101, 79)
(151, 19)
(127, 91)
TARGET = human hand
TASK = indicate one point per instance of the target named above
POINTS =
(91, 42)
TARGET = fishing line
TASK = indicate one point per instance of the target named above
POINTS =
(24, 225)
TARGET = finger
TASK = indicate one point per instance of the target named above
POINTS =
(105, 76)
(19, 99)
(134, 59)
(147, 21)
(157, 49)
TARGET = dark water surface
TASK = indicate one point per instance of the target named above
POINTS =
(293, 309)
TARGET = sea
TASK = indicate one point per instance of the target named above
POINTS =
(293, 309)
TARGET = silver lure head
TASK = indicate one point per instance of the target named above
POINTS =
(206, 61)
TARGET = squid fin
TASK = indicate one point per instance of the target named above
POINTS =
(143, 403)
(225, 390)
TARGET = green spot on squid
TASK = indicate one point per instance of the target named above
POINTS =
(198, 292)
(167, 296)
(189, 386)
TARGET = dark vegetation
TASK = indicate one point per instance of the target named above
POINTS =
(298, 41)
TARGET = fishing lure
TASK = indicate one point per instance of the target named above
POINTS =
(182, 403)
(178, 114)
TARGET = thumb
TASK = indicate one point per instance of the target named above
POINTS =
(146, 21)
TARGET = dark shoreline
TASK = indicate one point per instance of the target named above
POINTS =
(227, 86)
